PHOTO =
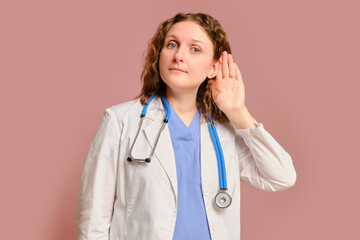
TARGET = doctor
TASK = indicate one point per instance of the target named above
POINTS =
(189, 63)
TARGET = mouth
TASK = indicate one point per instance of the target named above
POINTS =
(177, 70)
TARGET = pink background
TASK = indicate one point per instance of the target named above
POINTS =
(62, 64)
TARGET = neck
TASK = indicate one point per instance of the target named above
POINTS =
(183, 103)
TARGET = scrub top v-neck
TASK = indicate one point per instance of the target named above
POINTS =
(191, 221)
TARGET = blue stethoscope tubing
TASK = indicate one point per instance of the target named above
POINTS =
(222, 198)
(219, 154)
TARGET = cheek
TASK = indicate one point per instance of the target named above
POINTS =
(163, 64)
(202, 67)
(163, 58)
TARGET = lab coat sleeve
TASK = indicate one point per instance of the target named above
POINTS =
(263, 162)
(98, 181)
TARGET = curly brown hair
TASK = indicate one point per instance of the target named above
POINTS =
(150, 77)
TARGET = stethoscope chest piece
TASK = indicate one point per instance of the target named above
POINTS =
(222, 199)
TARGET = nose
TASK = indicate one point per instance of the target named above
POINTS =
(179, 55)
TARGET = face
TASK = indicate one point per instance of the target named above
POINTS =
(186, 58)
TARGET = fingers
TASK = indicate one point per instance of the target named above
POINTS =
(219, 72)
(227, 65)
(224, 65)
(238, 73)
(232, 72)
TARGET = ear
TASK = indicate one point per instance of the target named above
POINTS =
(213, 70)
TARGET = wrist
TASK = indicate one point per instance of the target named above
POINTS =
(241, 118)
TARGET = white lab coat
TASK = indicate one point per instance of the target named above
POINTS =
(120, 200)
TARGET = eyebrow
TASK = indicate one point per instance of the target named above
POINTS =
(192, 39)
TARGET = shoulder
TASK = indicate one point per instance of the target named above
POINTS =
(127, 106)
(126, 110)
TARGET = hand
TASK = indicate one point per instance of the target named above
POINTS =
(227, 88)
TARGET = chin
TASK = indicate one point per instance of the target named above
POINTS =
(175, 82)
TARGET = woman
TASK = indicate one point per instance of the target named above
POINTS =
(189, 72)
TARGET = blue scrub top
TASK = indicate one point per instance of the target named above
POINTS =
(191, 221)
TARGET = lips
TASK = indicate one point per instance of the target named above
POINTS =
(177, 70)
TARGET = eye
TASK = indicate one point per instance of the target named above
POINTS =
(169, 44)
(173, 45)
(198, 49)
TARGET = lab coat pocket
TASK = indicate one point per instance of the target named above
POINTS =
(144, 176)
(147, 197)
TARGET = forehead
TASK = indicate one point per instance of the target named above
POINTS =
(189, 31)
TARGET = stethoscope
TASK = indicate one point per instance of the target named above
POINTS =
(222, 198)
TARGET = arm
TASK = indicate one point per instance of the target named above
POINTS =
(98, 181)
(263, 162)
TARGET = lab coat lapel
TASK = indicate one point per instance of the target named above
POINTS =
(164, 150)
